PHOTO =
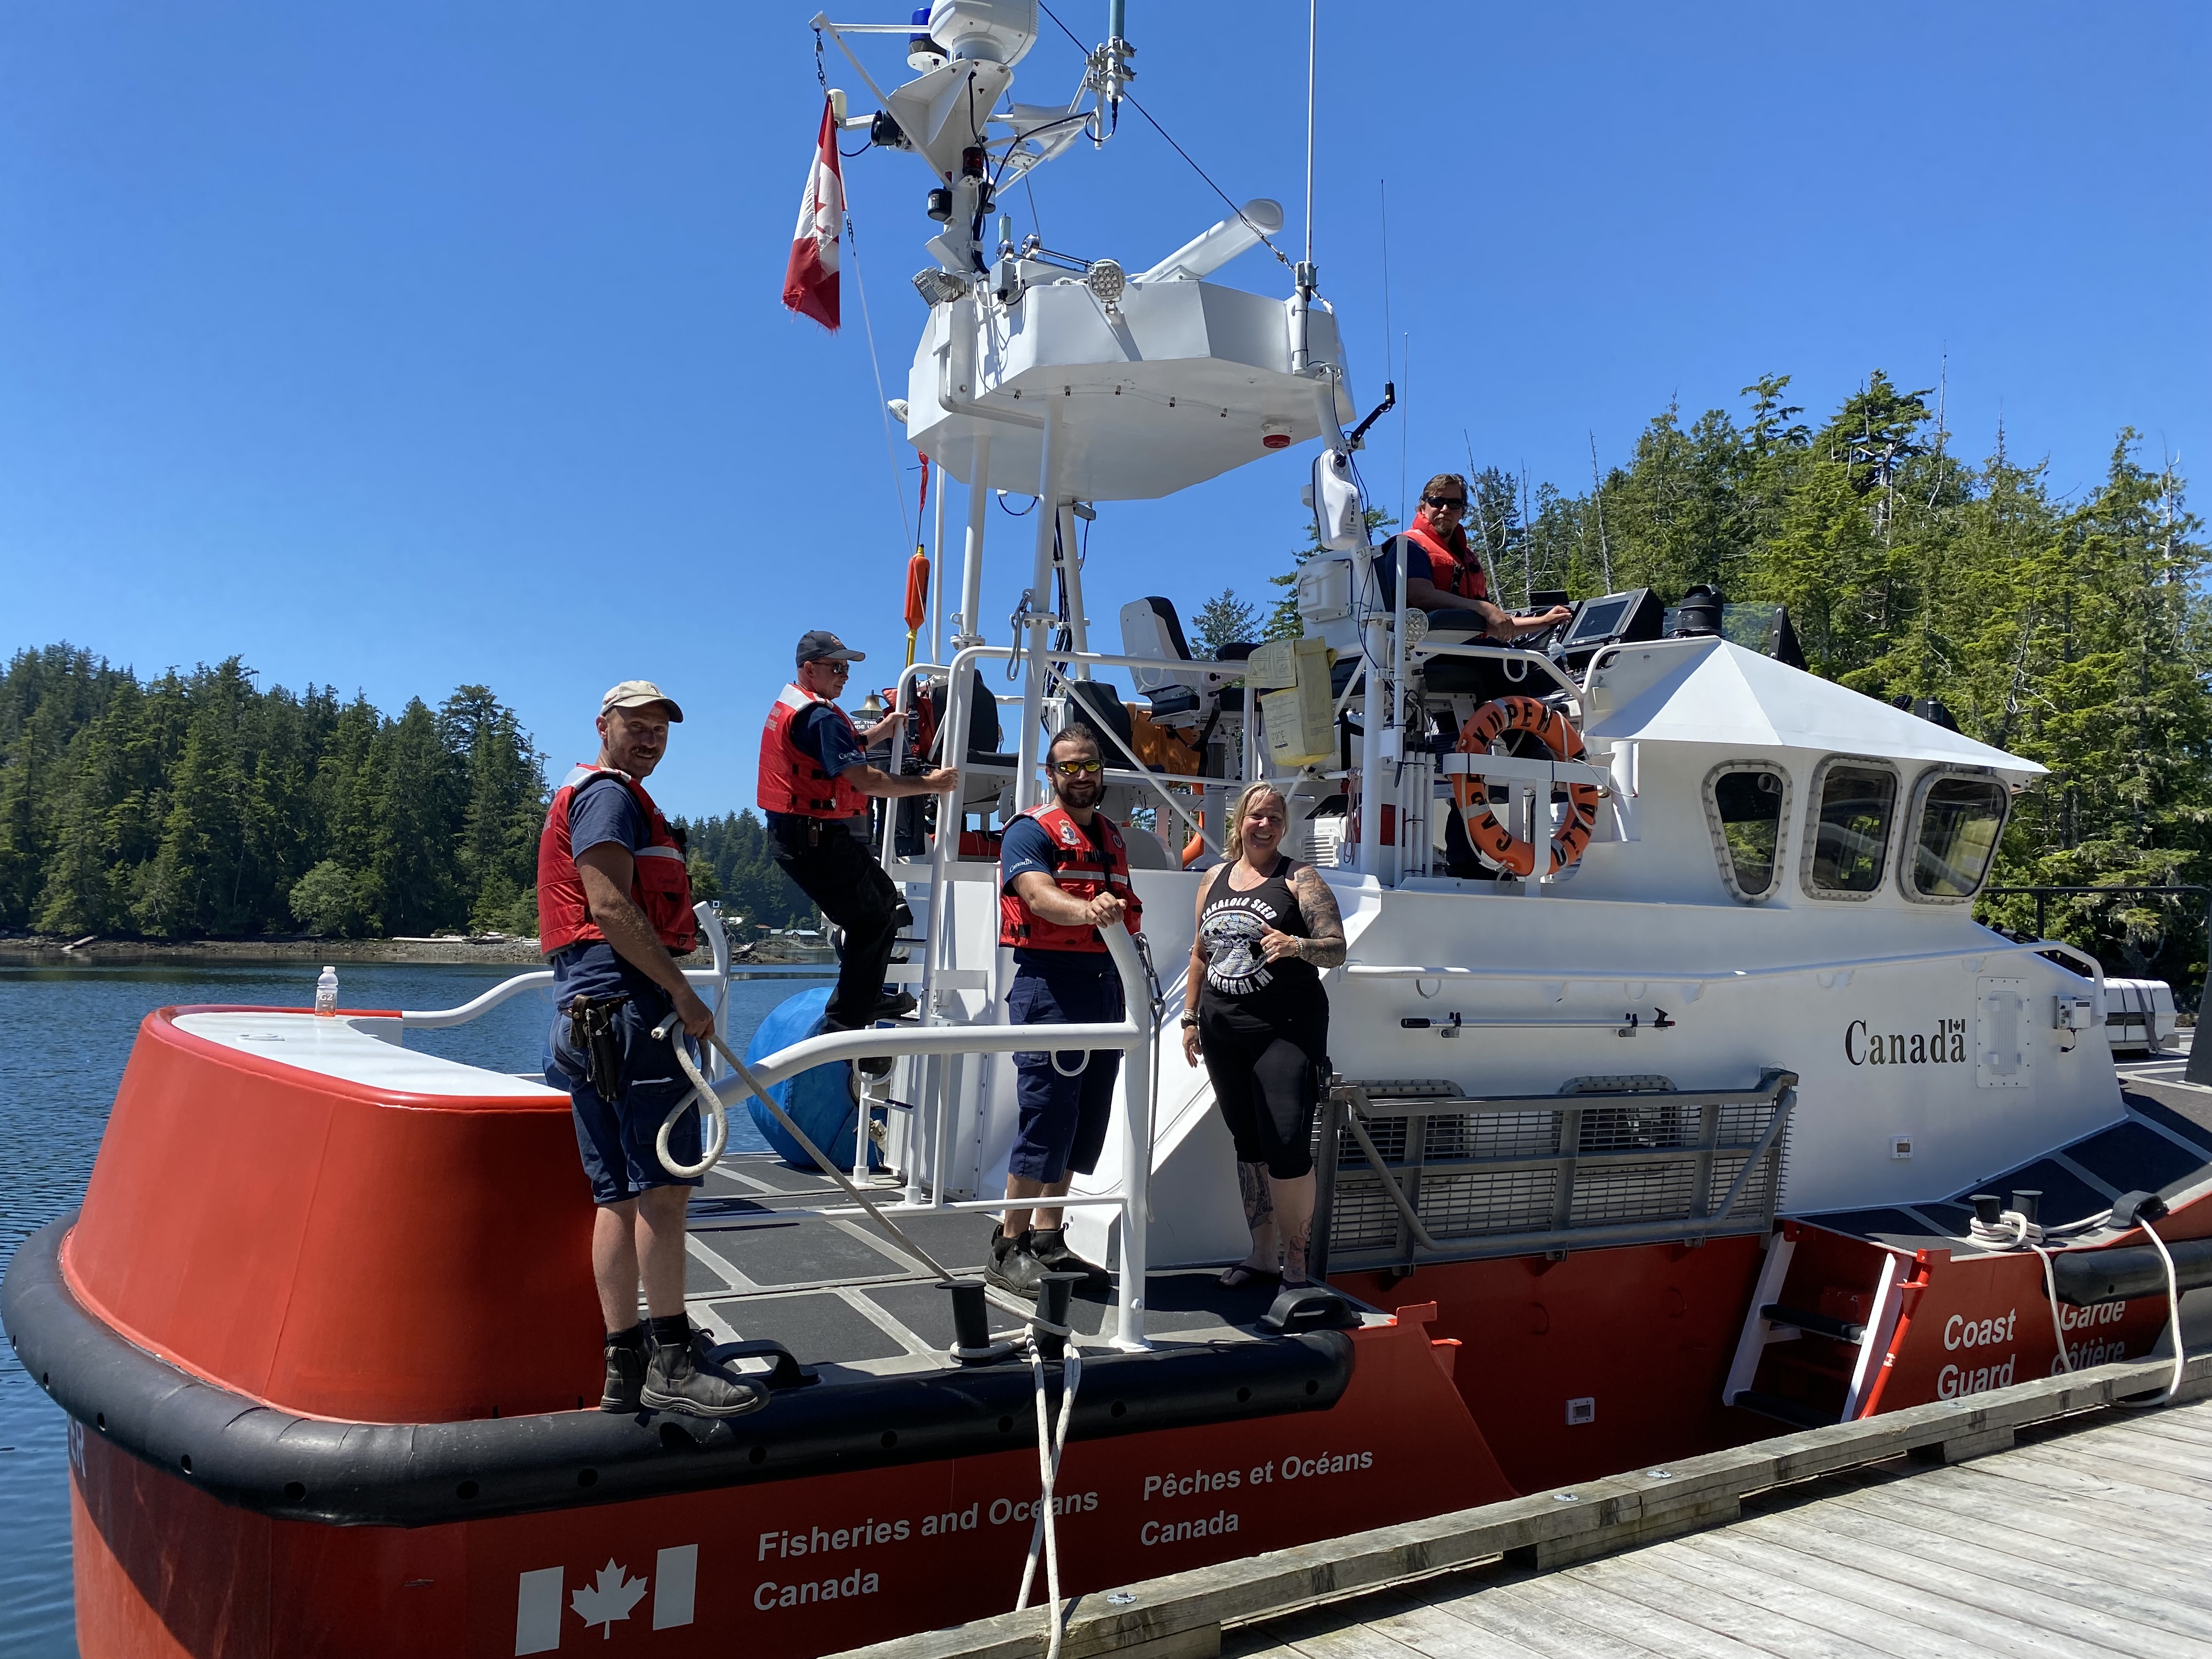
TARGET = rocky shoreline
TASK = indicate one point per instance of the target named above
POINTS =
(33, 951)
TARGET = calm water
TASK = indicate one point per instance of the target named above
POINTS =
(65, 1034)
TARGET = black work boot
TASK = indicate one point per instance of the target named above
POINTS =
(1049, 1246)
(895, 1005)
(1013, 1267)
(867, 1064)
(625, 1373)
(682, 1378)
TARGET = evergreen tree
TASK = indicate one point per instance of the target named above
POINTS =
(1224, 619)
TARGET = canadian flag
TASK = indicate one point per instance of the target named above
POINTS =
(810, 282)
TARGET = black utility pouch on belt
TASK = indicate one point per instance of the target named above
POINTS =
(592, 1034)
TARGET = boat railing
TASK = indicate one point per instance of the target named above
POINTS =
(1132, 1036)
(715, 980)
(1833, 975)
(1415, 1172)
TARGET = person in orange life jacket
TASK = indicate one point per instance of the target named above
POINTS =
(815, 781)
(1444, 577)
(1063, 874)
(614, 901)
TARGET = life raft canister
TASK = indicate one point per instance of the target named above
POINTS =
(1452, 564)
(660, 883)
(1083, 871)
(1471, 792)
(791, 780)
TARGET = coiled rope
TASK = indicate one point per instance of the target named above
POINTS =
(2013, 1231)
(717, 1134)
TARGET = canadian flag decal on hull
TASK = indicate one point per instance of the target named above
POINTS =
(606, 1596)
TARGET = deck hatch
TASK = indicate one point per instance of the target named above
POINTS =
(1415, 1174)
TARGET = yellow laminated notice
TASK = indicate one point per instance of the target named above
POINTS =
(1300, 718)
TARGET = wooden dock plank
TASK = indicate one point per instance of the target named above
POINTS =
(2017, 1552)
(1763, 1623)
(1848, 1604)
(2095, 1463)
(2067, 1605)
(2083, 1540)
(1570, 1621)
(2164, 1451)
(1655, 1629)
(2155, 1513)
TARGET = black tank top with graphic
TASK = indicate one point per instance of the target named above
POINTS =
(1237, 976)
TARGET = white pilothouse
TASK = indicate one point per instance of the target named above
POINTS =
(1779, 872)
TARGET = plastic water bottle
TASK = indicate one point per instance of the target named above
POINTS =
(326, 991)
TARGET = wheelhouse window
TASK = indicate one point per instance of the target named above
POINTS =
(1746, 803)
(1955, 831)
(1853, 804)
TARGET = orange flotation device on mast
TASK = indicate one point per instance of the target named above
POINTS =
(1471, 791)
(917, 572)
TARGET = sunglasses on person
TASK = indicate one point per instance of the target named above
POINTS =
(1082, 769)
(1459, 501)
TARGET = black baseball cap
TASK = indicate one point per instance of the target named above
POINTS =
(822, 645)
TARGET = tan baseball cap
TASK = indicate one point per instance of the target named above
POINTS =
(637, 694)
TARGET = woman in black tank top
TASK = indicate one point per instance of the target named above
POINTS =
(1255, 1010)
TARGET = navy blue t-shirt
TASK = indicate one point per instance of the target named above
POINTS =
(818, 733)
(1025, 846)
(602, 812)
(1418, 567)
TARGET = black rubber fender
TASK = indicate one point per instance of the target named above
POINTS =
(260, 1458)
(2086, 1278)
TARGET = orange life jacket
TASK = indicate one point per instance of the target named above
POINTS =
(660, 884)
(791, 779)
(1083, 870)
(1452, 564)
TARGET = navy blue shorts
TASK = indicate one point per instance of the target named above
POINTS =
(616, 1139)
(1063, 1118)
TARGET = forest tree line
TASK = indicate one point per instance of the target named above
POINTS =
(2069, 629)
(199, 805)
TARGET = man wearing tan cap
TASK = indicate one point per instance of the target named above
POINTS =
(815, 781)
(614, 911)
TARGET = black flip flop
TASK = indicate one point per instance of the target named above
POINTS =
(1247, 1275)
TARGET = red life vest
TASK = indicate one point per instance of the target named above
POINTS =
(660, 884)
(1452, 564)
(791, 779)
(1084, 870)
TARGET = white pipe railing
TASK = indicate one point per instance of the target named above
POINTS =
(438, 1019)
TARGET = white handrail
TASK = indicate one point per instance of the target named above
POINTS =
(1638, 977)
(1133, 1036)
(438, 1019)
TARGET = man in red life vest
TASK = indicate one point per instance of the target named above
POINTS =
(1063, 874)
(1444, 577)
(614, 900)
(815, 781)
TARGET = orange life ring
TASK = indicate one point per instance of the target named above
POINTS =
(1471, 794)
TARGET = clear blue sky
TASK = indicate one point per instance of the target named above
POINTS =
(415, 344)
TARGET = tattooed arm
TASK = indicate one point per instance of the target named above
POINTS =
(1324, 944)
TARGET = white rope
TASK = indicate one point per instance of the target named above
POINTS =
(711, 1106)
(1043, 1536)
(2013, 1231)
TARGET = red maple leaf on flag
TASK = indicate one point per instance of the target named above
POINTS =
(809, 281)
(611, 1598)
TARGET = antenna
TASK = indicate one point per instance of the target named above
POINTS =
(1597, 502)
(1481, 526)
(1312, 33)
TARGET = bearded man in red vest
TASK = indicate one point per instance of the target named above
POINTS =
(614, 911)
(1063, 875)
(815, 781)
(1444, 577)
